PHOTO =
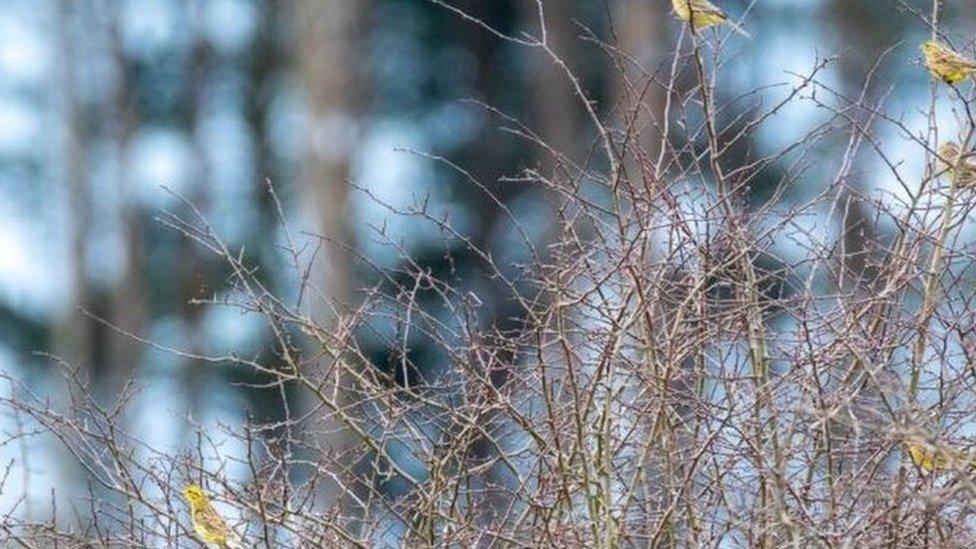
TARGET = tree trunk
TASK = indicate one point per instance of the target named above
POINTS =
(74, 337)
(863, 43)
(128, 302)
(554, 108)
(328, 45)
(328, 31)
(194, 271)
(641, 31)
(76, 334)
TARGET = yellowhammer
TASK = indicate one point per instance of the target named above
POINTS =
(933, 456)
(208, 524)
(703, 14)
(964, 172)
(945, 63)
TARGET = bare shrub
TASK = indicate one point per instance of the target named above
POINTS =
(685, 363)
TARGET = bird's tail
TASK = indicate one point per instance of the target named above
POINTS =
(233, 542)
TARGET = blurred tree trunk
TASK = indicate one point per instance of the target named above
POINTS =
(331, 58)
(75, 338)
(128, 302)
(641, 31)
(864, 41)
(860, 32)
(490, 156)
(554, 108)
(487, 158)
(194, 272)
(265, 59)
(555, 111)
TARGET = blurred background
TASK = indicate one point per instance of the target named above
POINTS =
(112, 112)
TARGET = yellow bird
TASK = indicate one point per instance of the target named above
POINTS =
(933, 456)
(703, 14)
(964, 172)
(206, 522)
(946, 64)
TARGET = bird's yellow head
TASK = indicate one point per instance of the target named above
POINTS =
(194, 494)
(930, 47)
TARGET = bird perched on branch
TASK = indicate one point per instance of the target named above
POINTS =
(964, 172)
(206, 522)
(945, 63)
(703, 14)
(932, 456)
